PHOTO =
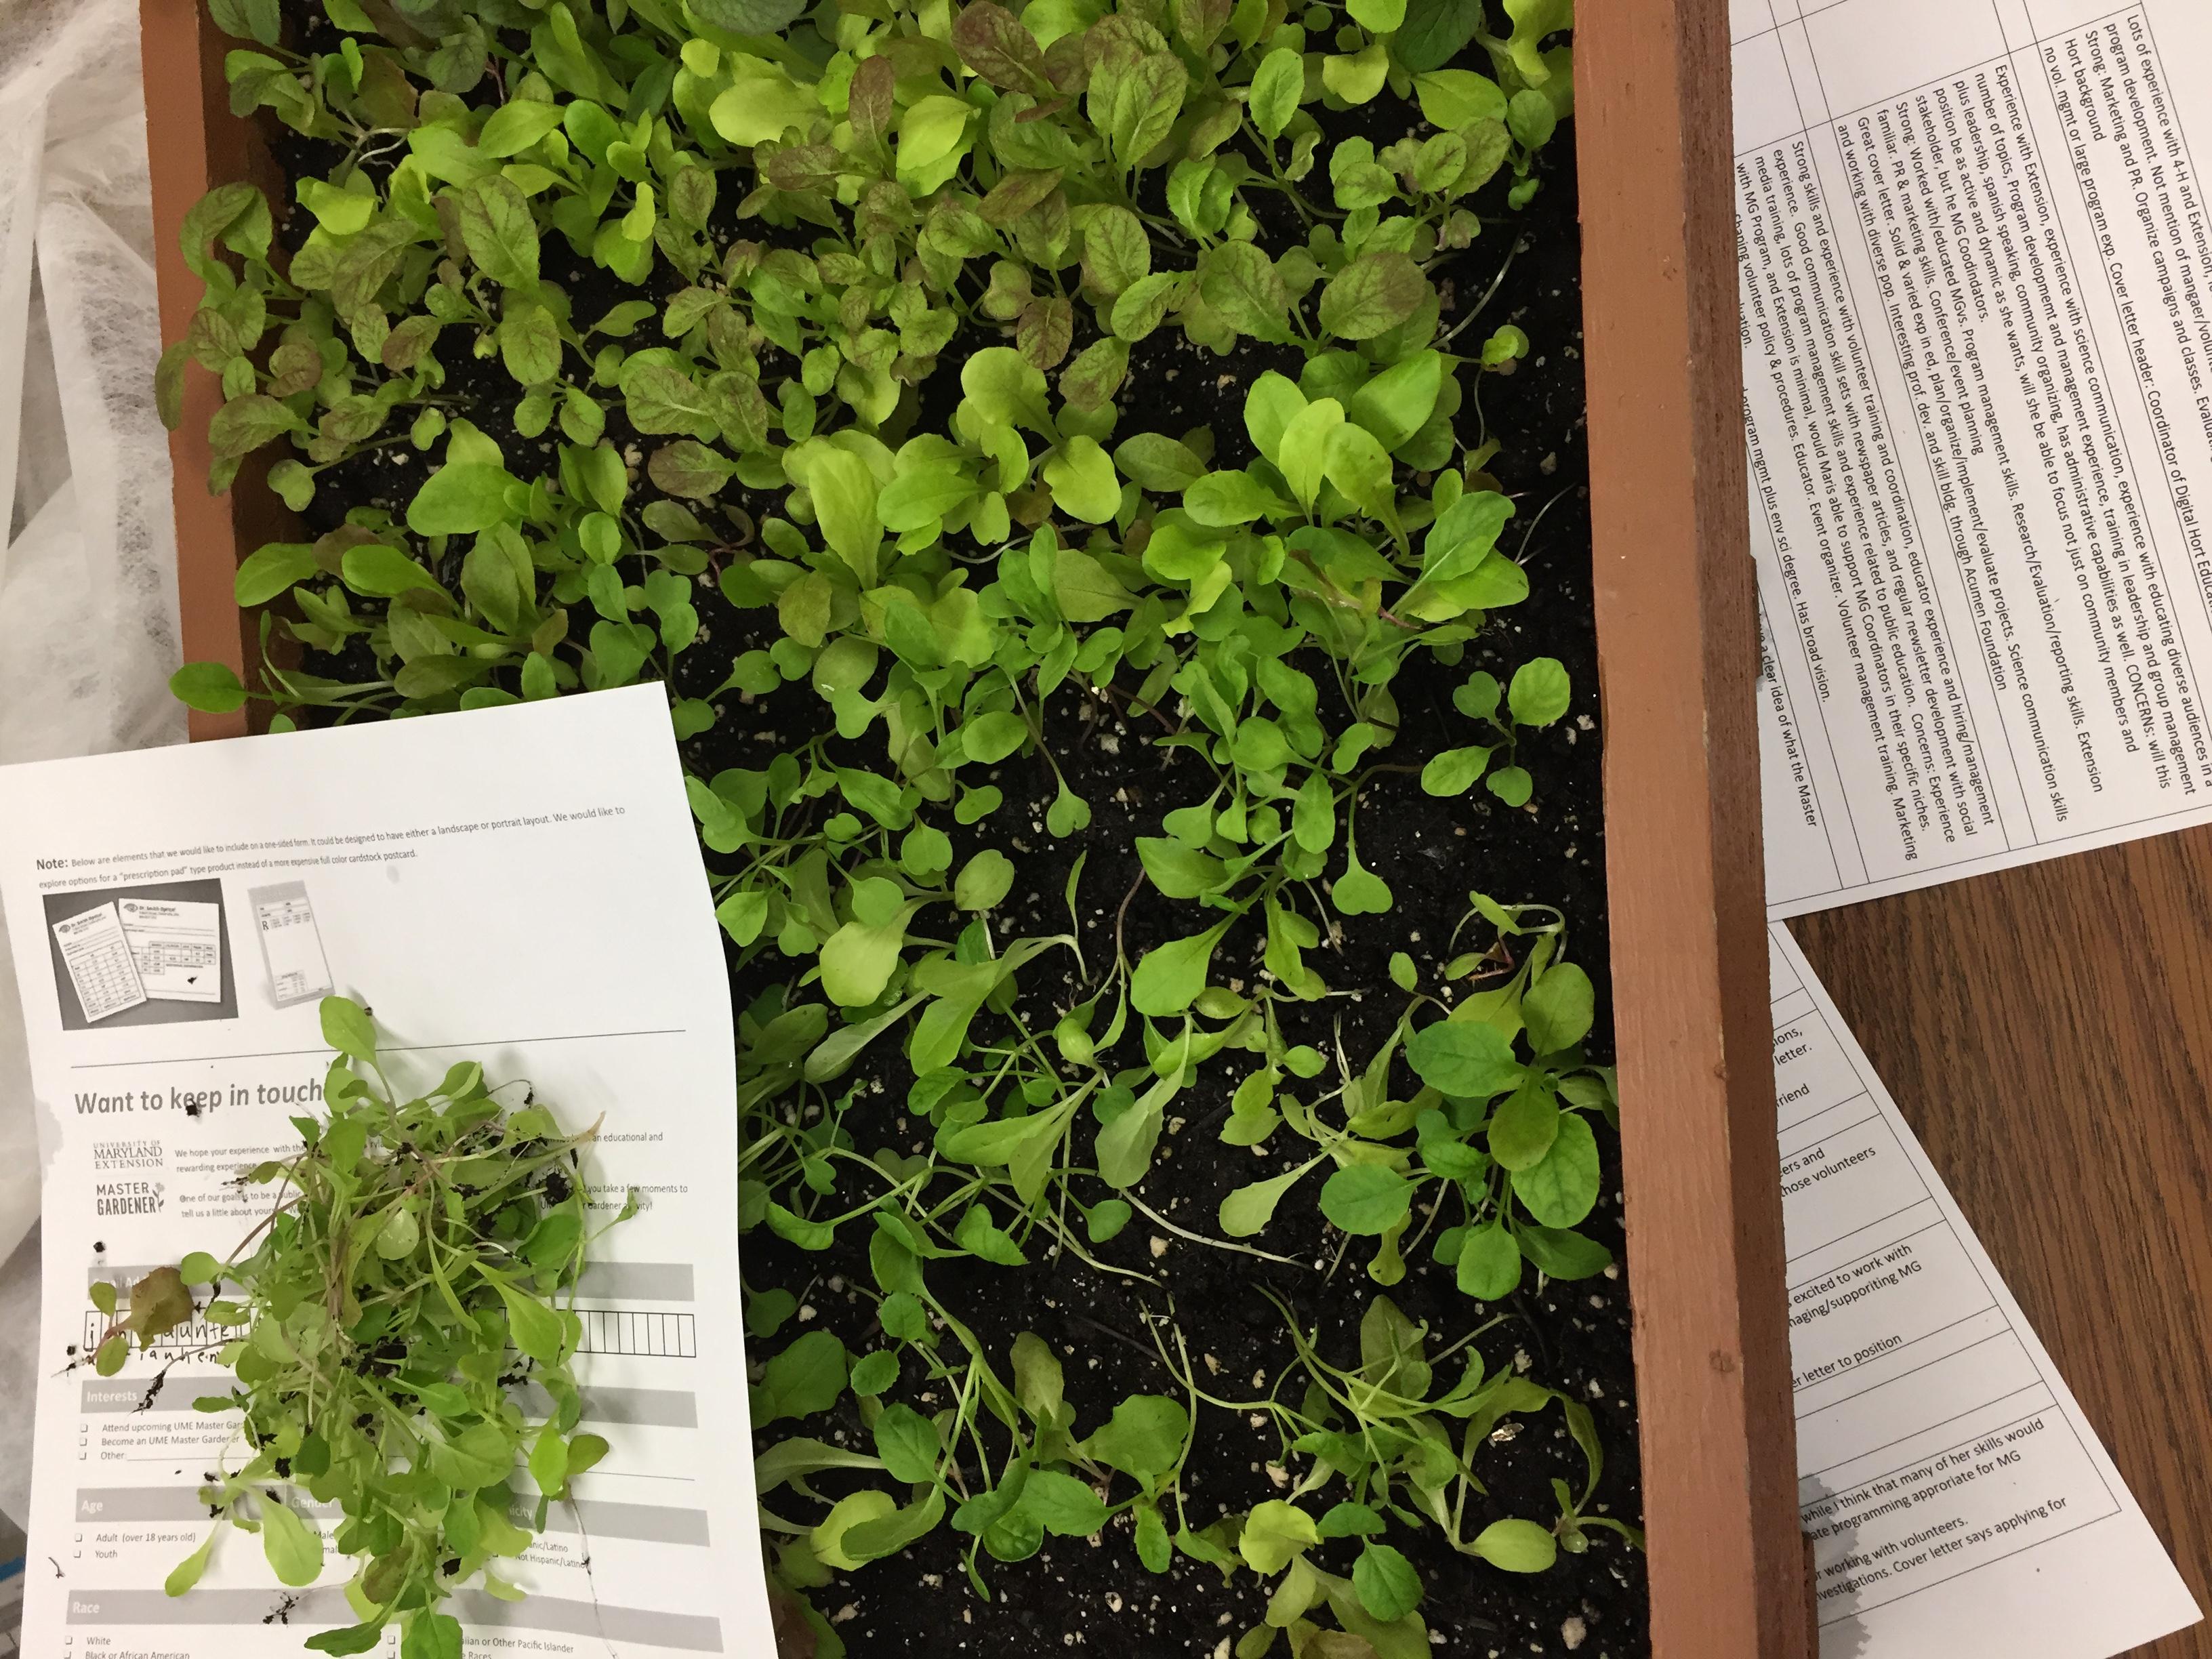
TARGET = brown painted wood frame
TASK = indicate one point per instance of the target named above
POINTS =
(193, 143)
(1677, 654)
(1677, 649)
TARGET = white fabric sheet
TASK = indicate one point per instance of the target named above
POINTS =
(87, 583)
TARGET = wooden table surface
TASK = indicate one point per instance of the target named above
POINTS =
(2048, 1033)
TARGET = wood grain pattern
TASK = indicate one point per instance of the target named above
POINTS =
(2048, 1033)
(192, 140)
(1677, 654)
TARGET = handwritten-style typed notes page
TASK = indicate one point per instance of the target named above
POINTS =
(520, 886)
(1961, 1506)
(1976, 283)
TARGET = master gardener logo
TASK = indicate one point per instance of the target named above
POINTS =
(126, 1198)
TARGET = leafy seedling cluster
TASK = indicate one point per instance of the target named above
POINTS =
(382, 1323)
(799, 355)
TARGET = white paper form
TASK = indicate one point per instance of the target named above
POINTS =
(177, 947)
(1977, 284)
(521, 886)
(1961, 1506)
(101, 970)
(291, 945)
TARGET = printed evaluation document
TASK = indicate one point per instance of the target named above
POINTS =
(1959, 1504)
(521, 886)
(1976, 274)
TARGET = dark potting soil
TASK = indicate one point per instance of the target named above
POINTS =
(1096, 1595)
(1574, 1337)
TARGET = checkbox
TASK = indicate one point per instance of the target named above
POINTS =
(82, 1455)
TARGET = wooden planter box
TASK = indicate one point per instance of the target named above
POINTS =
(1677, 654)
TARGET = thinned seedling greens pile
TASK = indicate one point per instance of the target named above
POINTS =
(1042, 448)
(412, 1271)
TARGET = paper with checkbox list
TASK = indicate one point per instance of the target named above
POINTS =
(1976, 278)
(1959, 1504)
